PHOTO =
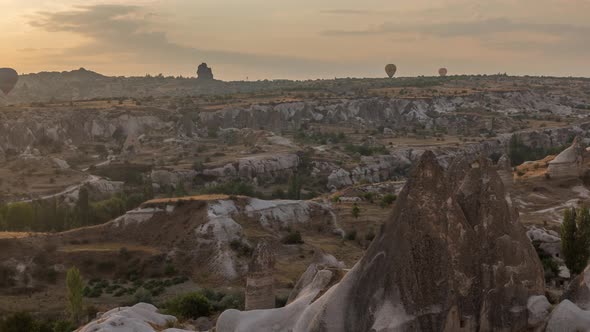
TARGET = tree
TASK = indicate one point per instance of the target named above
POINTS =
(583, 241)
(19, 216)
(83, 206)
(75, 286)
(568, 237)
(294, 187)
(575, 239)
(356, 211)
(179, 190)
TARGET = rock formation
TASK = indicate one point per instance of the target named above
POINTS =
(567, 317)
(569, 162)
(142, 317)
(260, 279)
(204, 72)
(505, 171)
(578, 290)
(453, 257)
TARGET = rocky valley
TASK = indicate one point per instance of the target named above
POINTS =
(414, 204)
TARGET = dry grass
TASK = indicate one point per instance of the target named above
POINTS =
(533, 169)
(205, 198)
(17, 235)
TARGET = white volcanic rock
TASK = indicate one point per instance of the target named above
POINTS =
(280, 319)
(567, 317)
(141, 317)
(221, 228)
(165, 178)
(268, 167)
(568, 163)
(62, 164)
(538, 308)
(578, 290)
(103, 188)
(339, 178)
(227, 171)
(279, 214)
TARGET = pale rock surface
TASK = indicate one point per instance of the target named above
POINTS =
(141, 317)
(567, 317)
(568, 163)
(578, 290)
(539, 309)
(61, 164)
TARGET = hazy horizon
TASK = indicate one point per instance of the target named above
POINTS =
(297, 39)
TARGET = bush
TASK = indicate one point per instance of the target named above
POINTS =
(63, 326)
(365, 150)
(230, 301)
(292, 238)
(189, 306)
(388, 199)
(170, 270)
(369, 197)
(351, 235)
(281, 301)
(143, 295)
(356, 211)
(370, 235)
(241, 248)
(19, 322)
(235, 187)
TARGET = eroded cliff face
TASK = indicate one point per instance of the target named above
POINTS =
(394, 113)
(124, 132)
(452, 257)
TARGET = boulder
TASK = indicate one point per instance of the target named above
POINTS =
(568, 163)
(141, 317)
(538, 308)
(567, 317)
(578, 290)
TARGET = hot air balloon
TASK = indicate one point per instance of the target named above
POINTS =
(390, 69)
(8, 79)
(442, 72)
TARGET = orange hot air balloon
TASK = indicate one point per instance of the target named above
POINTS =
(442, 72)
(8, 79)
(390, 69)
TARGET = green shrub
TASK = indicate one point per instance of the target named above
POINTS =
(189, 306)
(388, 199)
(293, 237)
(170, 270)
(63, 326)
(370, 235)
(230, 301)
(19, 322)
(241, 248)
(142, 295)
(369, 197)
(351, 235)
(281, 301)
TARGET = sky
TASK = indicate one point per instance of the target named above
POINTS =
(297, 39)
